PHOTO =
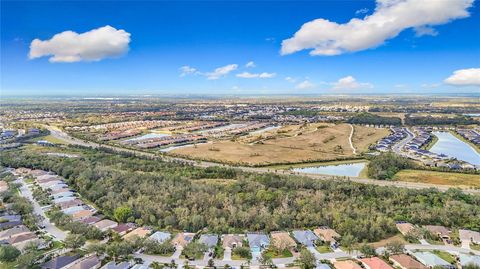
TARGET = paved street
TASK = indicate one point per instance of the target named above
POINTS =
(49, 227)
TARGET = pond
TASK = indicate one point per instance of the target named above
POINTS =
(348, 169)
(451, 146)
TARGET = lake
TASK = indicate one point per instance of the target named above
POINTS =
(348, 169)
(451, 146)
(147, 136)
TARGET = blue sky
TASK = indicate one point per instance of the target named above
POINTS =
(205, 35)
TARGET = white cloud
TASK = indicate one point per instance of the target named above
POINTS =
(361, 11)
(250, 64)
(349, 83)
(465, 77)
(389, 19)
(256, 75)
(94, 45)
(290, 79)
(430, 86)
(187, 70)
(221, 71)
(306, 84)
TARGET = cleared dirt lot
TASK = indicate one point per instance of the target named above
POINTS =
(289, 144)
(363, 136)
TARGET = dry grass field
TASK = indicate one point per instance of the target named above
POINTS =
(440, 178)
(363, 137)
(289, 144)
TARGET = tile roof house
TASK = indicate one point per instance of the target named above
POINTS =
(210, 240)
(59, 262)
(404, 261)
(431, 260)
(140, 232)
(82, 214)
(375, 263)
(71, 203)
(23, 240)
(113, 265)
(466, 259)
(90, 220)
(282, 240)
(305, 237)
(439, 231)
(18, 230)
(468, 235)
(63, 199)
(322, 266)
(404, 227)
(182, 239)
(232, 240)
(91, 262)
(105, 224)
(123, 228)
(327, 234)
(161, 237)
(257, 241)
(349, 264)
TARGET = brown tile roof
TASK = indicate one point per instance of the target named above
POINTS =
(231, 240)
(375, 263)
(326, 234)
(82, 214)
(141, 232)
(407, 262)
(282, 240)
(346, 265)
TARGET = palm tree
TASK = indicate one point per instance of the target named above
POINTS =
(156, 265)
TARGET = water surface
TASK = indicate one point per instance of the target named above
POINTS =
(147, 136)
(451, 146)
(348, 169)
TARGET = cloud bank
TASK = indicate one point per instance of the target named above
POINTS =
(350, 83)
(464, 77)
(94, 45)
(390, 18)
(256, 75)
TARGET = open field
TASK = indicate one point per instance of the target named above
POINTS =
(363, 136)
(289, 144)
(440, 178)
(386, 241)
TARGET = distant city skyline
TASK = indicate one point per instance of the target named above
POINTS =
(240, 47)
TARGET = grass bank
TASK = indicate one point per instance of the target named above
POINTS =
(440, 178)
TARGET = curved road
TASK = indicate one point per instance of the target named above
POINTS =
(59, 134)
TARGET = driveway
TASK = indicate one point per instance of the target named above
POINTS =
(227, 254)
(50, 228)
(177, 253)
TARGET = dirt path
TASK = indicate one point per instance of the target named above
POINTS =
(350, 140)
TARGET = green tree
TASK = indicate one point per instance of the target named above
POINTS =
(26, 260)
(266, 260)
(395, 247)
(74, 241)
(367, 250)
(122, 213)
(306, 259)
(8, 253)
(348, 242)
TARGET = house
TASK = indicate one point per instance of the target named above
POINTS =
(232, 241)
(431, 260)
(74, 209)
(404, 227)
(182, 239)
(91, 262)
(90, 220)
(82, 214)
(469, 236)
(113, 265)
(440, 231)
(12, 232)
(210, 240)
(140, 266)
(71, 203)
(348, 264)
(161, 237)
(105, 224)
(140, 232)
(10, 221)
(282, 240)
(59, 262)
(257, 242)
(466, 259)
(305, 237)
(22, 240)
(328, 235)
(123, 228)
(322, 266)
(63, 199)
(375, 263)
(404, 261)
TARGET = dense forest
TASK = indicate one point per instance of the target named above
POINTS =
(386, 165)
(368, 118)
(179, 196)
(429, 120)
